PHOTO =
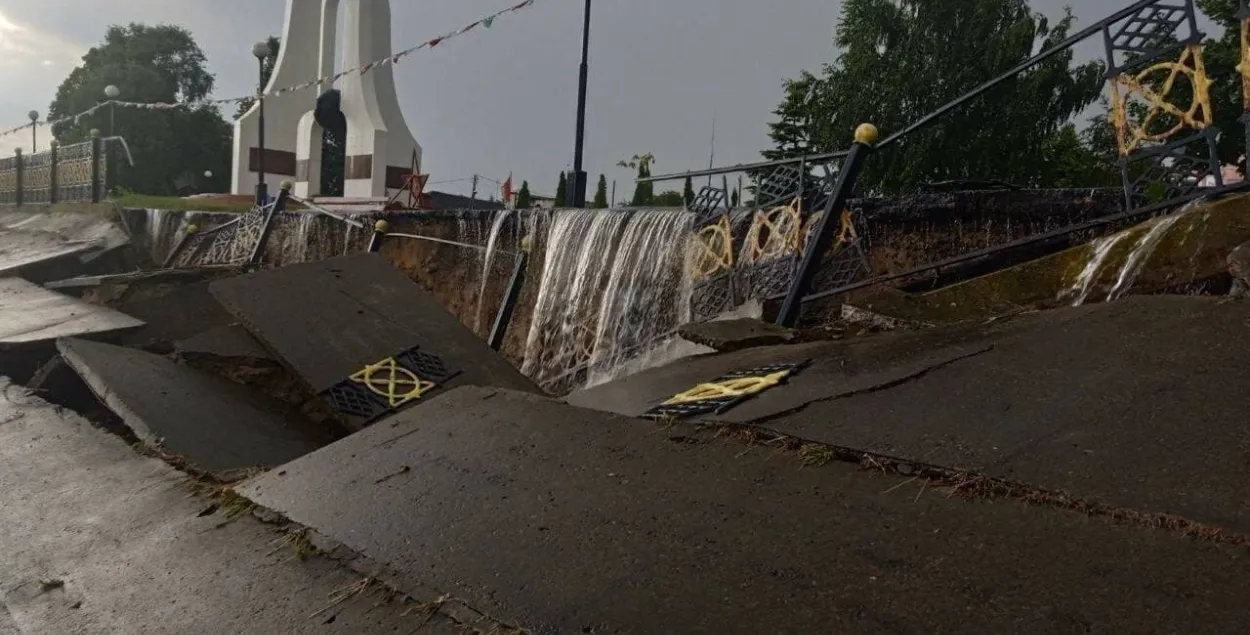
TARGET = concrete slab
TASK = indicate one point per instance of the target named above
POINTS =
(30, 313)
(1138, 403)
(568, 520)
(735, 334)
(96, 539)
(216, 425)
(328, 319)
(223, 342)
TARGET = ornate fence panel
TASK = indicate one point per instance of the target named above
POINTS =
(74, 172)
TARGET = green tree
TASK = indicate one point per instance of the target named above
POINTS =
(333, 162)
(644, 193)
(601, 194)
(901, 59)
(271, 60)
(149, 64)
(667, 198)
(687, 193)
(562, 191)
(523, 198)
(1221, 57)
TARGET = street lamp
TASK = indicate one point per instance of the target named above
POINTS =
(261, 51)
(112, 92)
(577, 189)
(34, 119)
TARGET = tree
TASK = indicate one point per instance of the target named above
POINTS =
(523, 198)
(667, 198)
(149, 64)
(885, 45)
(333, 160)
(644, 193)
(601, 194)
(271, 60)
(687, 193)
(562, 191)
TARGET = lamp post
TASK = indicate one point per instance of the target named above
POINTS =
(261, 51)
(577, 189)
(112, 92)
(34, 119)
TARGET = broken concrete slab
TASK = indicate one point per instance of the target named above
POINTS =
(732, 335)
(97, 539)
(328, 319)
(34, 314)
(216, 425)
(228, 341)
(1135, 404)
(569, 520)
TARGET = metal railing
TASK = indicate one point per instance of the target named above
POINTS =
(1159, 170)
(72, 173)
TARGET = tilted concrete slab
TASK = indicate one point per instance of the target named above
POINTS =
(30, 313)
(1139, 403)
(96, 539)
(35, 236)
(224, 342)
(1134, 404)
(328, 319)
(567, 520)
(216, 425)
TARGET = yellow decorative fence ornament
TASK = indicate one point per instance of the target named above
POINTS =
(393, 382)
(1132, 135)
(711, 250)
(775, 232)
(736, 387)
(1244, 66)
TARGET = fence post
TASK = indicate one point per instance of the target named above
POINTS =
(379, 232)
(54, 183)
(279, 204)
(865, 137)
(17, 176)
(95, 165)
(504, 316)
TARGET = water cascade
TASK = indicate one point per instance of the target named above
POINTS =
(492, 244)
(613, 286)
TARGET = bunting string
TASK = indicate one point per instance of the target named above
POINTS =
(391, 60)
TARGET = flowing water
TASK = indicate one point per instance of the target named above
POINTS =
(492, 244)
(613, 285)
(1130, 263)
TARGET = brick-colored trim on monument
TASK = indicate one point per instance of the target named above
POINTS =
(276, 161)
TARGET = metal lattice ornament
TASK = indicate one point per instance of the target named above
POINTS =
(1150, 33)
(771, 277)
(389, 384)
(712, 296)
(1173, 171)
(724, 392)
(708, 204)
(781, 184)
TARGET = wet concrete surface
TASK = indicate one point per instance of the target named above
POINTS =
(214, 424)
(569, 520)
(32, 313)
(328, 319)
(225, 341)
(1135, 404)
(95, 539)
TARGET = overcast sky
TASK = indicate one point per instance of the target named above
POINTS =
(504, 100)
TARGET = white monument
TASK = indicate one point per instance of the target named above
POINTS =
(379, 146)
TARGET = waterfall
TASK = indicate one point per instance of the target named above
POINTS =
(492, 242)
(612, 285)
(1101, 248)
(1141, 252)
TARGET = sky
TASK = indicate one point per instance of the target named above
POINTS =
(503, 100)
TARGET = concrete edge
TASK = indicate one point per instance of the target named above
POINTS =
(129, 418)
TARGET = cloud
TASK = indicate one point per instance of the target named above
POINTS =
(22, 45)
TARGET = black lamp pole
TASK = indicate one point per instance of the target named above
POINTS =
(577, 189)
(261, 51)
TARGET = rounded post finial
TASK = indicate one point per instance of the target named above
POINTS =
(192, 228)
(381, 227)
(95, 133)
(287, 185)
(866, 134)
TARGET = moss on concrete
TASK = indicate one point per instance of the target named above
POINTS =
(1194, 248)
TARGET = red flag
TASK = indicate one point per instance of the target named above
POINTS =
(507, 190)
